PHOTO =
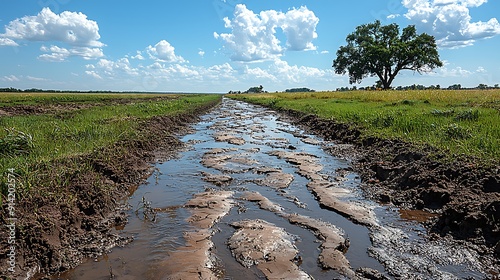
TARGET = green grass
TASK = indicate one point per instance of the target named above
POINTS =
(457, 122)
(15, 98)
(31, 140)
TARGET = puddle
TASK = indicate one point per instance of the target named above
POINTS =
(246, 172)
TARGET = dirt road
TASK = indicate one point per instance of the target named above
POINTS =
(255, 197)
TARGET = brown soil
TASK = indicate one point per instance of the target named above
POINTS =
(217, 179)
(326, 192)
(329, 197)
(333, 244)
(276, 180)
(222, 160)
(195, 261)
(270, 248)
(264, 202)
(71, 217)
(229, 138)
(464, 195)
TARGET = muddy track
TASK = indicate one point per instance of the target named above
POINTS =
(255, 197)
(252, 196)
(54, 234)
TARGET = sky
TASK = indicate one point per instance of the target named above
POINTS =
(222, 45)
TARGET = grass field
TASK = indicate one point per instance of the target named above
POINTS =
(458, 122)
(18, 98)
(78, 124)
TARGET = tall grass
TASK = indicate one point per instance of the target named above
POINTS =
(458, 122)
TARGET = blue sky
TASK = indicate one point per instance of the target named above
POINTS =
(217, 46)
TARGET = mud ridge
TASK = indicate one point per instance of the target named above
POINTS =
(195, 260)
(277, 255)
(71, 216)
(333, 246)
(464, 195)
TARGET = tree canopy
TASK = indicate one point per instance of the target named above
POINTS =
(258, 89)
(380, 50)
(300, 90)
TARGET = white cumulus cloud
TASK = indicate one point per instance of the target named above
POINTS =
(259, 74)
(138, 56)
(58, 54)
(450, 21)
(298, 74)
(111, 68)
(8, 42)
(164, 51)
(93, 74)
(299, 26)
(69, 27)
(274, 75)
(253, 36)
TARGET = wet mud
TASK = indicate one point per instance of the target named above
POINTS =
(194, 260)
(255, 197)
(333, 244)
(270, 248)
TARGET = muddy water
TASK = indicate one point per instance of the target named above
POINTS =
(253, 197)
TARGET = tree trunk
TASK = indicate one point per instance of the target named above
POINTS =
(386, 84)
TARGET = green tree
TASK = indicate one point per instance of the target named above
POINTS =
(455, 87)
(379, 50)
(259, 89)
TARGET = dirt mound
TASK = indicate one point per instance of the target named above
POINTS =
(70, 218)
(465, 195)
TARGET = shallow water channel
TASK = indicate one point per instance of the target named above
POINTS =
(251, 190)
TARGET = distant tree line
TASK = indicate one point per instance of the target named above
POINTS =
(421, 87)
(260, 89)
(300, 90)
(377, 86)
